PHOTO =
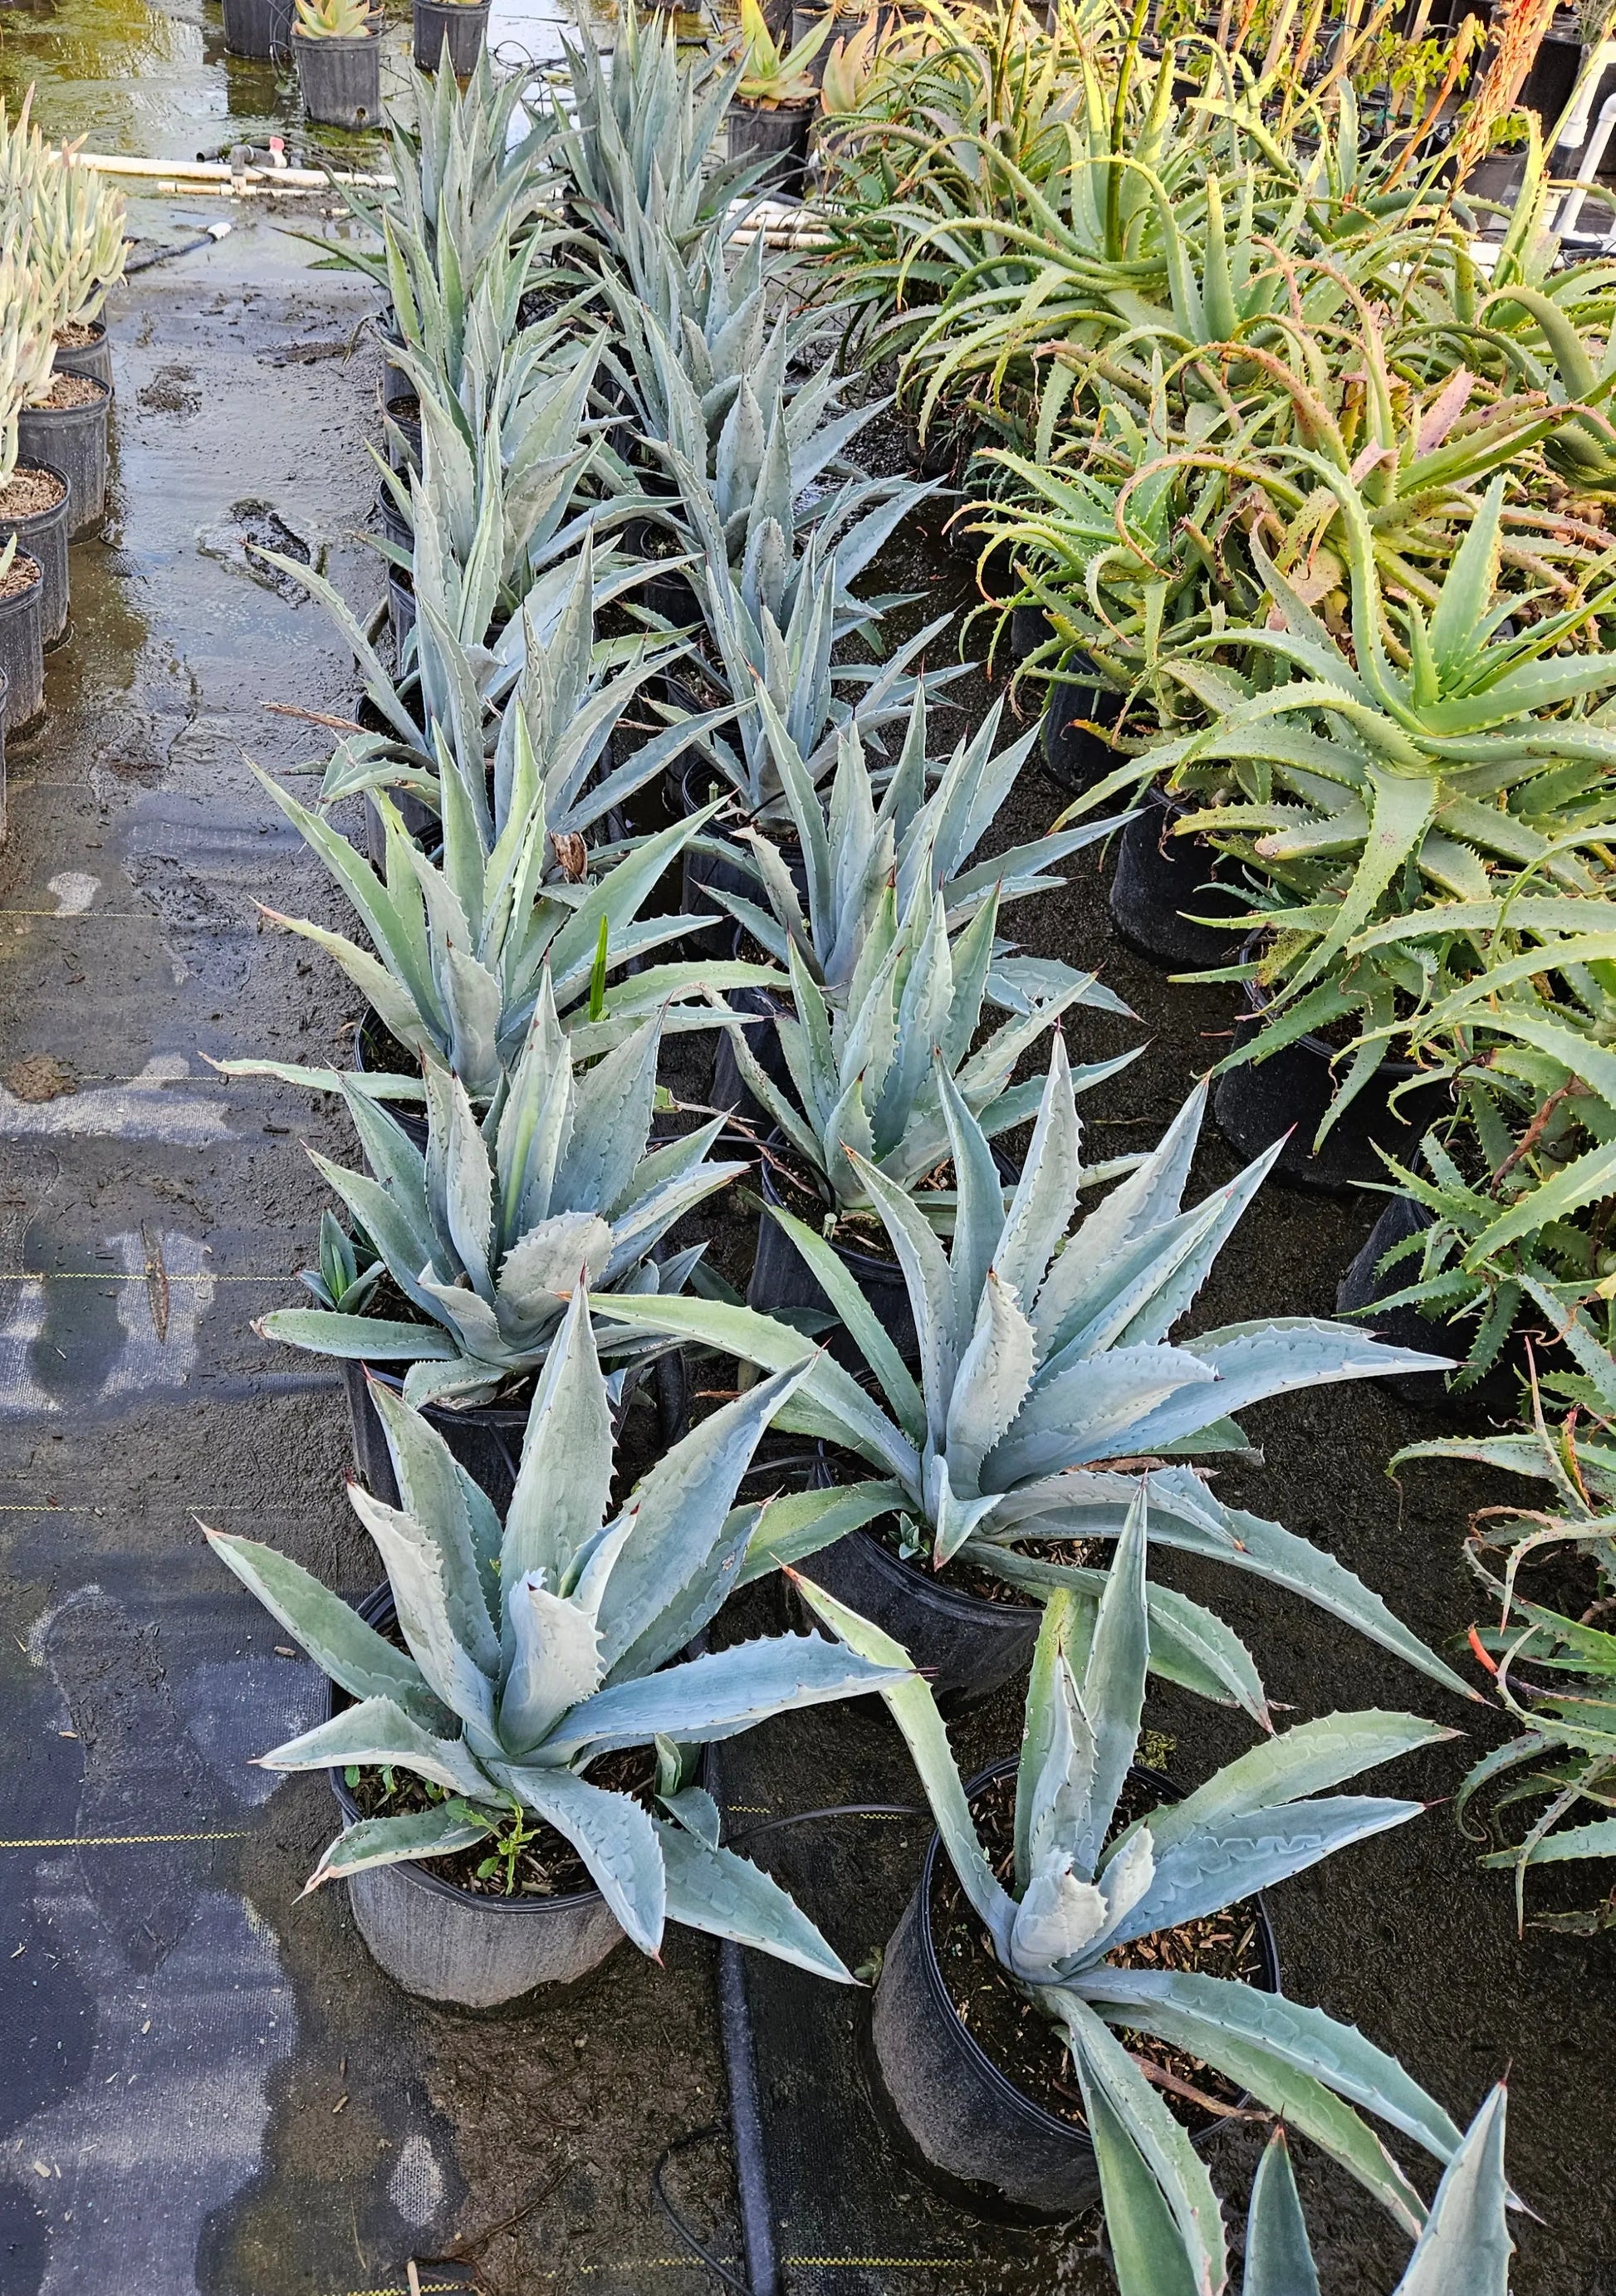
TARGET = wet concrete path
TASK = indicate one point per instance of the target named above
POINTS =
(200, 2086)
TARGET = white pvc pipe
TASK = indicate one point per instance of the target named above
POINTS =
(1605, 127)
(199, 174)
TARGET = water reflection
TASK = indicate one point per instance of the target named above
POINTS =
(136, 77)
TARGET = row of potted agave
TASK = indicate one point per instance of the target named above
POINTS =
(61, 248)
(521, 1710)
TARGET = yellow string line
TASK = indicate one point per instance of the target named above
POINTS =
(122, 1275)
(84, 916)
(119, 1841)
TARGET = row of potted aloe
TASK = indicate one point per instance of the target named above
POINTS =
(521, 1710)
(61, 248)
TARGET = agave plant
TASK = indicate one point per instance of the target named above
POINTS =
(1464, 2244)
(865, 861)
(875, 1072)
(533, 1650)
(486, 1233)
(468, 176)
(775, 629)
(1554, 1675)
(1045, 1361)
(1083, 1886)
(644, 128)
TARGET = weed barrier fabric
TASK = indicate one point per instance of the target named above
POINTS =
(847, 2214)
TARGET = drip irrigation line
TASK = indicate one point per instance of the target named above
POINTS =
(213, 232)
(697, 2247)
(835, 1809)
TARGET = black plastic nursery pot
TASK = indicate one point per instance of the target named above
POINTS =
(1074, 755)
(376, 1052)
(93, 357)
(449, 1944)
(340, 77)
(22, 646)
(968, 2128)
(782, 1278)
(400, 609)
(1030, 628)
(393, 523)
(780, 135)
(461, 26)
(5, 696)
(689, 786)
(72, 439)
(728, 1089)
(1163, 883)
(1289, 1092)
(42, 535)
(1401, 1327)
(966, 1645)
(487, 1440)
(261, 29)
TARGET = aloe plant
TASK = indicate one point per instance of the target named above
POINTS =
(533, 1649)
(1044, 1361)
(1471, 768)
(1553, 1675)
(485, 1233)
(1083, 1886)
(1464, 2244)
(865, 860)
(774, 74)
(335, 20)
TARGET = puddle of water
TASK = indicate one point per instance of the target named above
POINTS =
(154, 81)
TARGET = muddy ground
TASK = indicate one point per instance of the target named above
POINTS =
(207, 2083)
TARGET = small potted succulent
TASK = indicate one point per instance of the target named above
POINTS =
(338, 47)
(34, 506)
(1062, 1865)
(515, 1750)
(772, 107)
(451, 32)
(80, 248)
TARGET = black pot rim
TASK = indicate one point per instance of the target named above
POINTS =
(375, 1609)
(36, 520)
(19, 599)
(971, 1610)
(340, 44)
(1396, 1070)
(994, 2076)
(792, 112)
(84, 411)
(851, 1258)
(496, 1415)
(451, 8)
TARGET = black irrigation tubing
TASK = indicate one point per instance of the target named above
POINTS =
(696, 2246)
(208, 238)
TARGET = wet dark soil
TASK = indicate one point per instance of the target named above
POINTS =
(1006, 2022)
(544, 1864)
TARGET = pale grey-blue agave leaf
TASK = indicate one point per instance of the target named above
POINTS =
(504, 1699)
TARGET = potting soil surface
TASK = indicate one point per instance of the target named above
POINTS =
(205, 2083)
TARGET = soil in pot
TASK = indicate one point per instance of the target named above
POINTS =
(1030, 2051)
(83, 348)
(780, 135)
(35, 508)
(67, 431)
(969, 1631)
(21, 642)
